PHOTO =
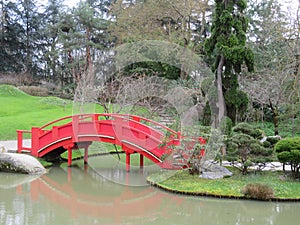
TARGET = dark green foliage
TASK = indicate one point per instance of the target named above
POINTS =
(20, 40)
(236, 99)
(153, 68)
(267, 144)
(272, 140)
(287, 144)
(10, 38)
(206, 118)
(226, 126)
(288, 152)
(206, 84)
(258, 191)
(248, 129)
(243, 128)
(244, 148)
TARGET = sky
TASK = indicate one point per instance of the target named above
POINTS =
(71, 3)
(289, 5)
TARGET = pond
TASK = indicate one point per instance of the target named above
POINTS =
(99, 194)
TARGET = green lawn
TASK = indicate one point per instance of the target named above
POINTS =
(182, 181)
(20, 111)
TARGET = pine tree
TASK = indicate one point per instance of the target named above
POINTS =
(227, 47)
(10, 38)
(31, 20)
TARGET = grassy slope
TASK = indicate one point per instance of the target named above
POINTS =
(21, 111)
(183, 182)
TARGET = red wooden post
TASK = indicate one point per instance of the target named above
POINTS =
(141, 161)
(127, 161)
(35, 133)
(69, 156)
(95, 118)
(20, 141)
(75, 125)
(86, 149)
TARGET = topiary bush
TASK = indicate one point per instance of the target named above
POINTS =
(258, 191)
(273, 140)
(246, 128)
(288, 152)
(244, 150)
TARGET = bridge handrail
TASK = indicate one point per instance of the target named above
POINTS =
(147, 120)
(113, 115)
(55, 121)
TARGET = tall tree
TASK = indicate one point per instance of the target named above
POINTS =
(52, 16)
(274, 37)
(177, 21)
(227, 46)
(11, 45)
(31, 19)
(83, 33)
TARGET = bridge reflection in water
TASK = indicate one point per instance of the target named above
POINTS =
(81, 195)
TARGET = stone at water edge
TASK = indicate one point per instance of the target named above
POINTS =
(20, 163)
(214, 171)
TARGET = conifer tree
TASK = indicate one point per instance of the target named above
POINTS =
(227, 47)
(10, 40)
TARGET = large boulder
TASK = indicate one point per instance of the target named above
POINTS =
(20, 163)
(214, 171)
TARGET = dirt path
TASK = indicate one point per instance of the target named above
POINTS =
(11, 145)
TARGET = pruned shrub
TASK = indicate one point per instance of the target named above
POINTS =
(34, 90)
(10, 80)
(245, 151)
(288, 152)
(273, 140)
(287, 144)
(246, 128)
(258, 191)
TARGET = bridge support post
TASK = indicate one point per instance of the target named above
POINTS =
(141, 161)
(127, 162)
(86, 149)
(69, 156)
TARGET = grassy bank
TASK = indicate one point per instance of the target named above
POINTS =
(182, 182)
(21, 111)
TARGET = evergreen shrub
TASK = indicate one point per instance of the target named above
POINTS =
(288, 152)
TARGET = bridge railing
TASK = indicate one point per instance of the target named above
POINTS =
(20, 146)
(36, 132)
(148, 122)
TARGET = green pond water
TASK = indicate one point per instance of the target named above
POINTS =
(104, 193)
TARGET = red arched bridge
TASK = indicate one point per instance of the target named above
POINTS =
(134, 134)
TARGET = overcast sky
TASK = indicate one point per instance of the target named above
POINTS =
(290, 5)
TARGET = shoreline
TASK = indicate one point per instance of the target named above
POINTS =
(200, 194)
(151, 181)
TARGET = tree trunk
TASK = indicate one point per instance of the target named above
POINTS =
(88, 50)
(275, 117)
(221, 101)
